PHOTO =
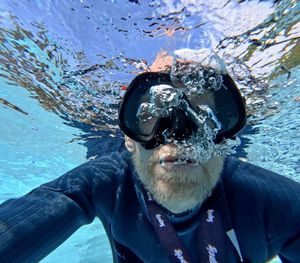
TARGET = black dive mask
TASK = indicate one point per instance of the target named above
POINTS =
(155, 111)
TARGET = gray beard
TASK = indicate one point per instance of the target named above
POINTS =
(178, 191)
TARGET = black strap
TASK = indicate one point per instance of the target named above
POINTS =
(165, 232)
(211, 231)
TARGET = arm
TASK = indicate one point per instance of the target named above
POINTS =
(35, 224)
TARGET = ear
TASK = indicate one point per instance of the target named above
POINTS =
(130, 144)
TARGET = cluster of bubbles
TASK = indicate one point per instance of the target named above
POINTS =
(197, 70)
(200, 147)
(162, 99)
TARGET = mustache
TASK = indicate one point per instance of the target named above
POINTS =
(172, 153)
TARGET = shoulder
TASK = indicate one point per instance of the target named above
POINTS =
(262, 199)
(260, 187)
(109, 167)
(250, 177)
(100, 174)
(95, 183)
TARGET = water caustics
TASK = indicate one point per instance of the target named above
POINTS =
(76, 58)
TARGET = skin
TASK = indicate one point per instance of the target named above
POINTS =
(177, 187)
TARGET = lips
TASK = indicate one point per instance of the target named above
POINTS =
(168, 158)
(169, 162)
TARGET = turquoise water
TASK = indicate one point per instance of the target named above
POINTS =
(62, 64)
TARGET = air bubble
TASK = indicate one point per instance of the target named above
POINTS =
(201, 146)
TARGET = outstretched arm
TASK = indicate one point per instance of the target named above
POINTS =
(34, 225)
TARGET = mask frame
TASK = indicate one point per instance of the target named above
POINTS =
(230, 109)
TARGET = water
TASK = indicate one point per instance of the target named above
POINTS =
(63, 65)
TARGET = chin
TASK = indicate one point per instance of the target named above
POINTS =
(178, 186)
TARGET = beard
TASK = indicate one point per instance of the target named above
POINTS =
(176, 189)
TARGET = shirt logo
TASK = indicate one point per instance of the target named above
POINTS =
(210, 216)
(212, 251)
(179, 254)
(160, 220)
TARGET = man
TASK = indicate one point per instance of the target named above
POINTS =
(173, 195)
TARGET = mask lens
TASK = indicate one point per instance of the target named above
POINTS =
(134, 114)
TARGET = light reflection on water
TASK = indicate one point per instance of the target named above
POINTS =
(65, 62)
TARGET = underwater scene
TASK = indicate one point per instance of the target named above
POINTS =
(65, 65)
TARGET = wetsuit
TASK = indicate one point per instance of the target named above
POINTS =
(264, 209)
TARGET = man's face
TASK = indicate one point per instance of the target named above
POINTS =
(176, 185)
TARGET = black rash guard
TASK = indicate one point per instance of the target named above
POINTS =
(264, 208)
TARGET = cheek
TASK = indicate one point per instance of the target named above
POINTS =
(144, 158)
(150, 161)
(156, 169)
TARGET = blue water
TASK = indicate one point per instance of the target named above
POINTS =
(62, 64)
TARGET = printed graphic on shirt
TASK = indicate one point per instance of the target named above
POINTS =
(179, 254)
(160, 220)
(210, 216)
(212, 252)
(149, 196)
